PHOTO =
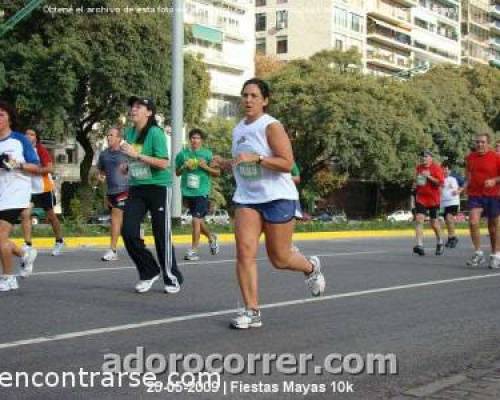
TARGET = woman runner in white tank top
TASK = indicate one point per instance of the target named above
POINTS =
(265, 201)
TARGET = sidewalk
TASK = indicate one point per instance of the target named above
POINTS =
(473, 384)
(103, 241)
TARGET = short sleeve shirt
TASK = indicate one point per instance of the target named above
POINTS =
(195, 181)
(429, 193)
(481, 167)
(110, 163)
(155, 145)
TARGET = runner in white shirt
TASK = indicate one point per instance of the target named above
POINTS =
(265, 201)
(450, 203)
(17, 161)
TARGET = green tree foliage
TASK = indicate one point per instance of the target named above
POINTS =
(372, 128)
(219, 131)
(72, 74)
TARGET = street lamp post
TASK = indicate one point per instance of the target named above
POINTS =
(177, 106)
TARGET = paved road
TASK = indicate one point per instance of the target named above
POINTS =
(437, 316)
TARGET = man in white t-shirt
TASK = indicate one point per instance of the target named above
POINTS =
(450, 203)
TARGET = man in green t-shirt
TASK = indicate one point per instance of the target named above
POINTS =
(193, 164)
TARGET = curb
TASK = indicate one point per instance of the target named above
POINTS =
(103, 241)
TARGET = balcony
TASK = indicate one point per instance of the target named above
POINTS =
(408, 3)
(495, 27)
(495, 10)
(387, 60)
(495, 42)
(392, 15)
(434, 54)
(389, 35)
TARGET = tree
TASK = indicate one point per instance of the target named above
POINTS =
(72, 74)
(219, 139)
(353, 121)
(458, 115)
(266, 65)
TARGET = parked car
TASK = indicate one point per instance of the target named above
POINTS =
(100, 219)
(37, 216)
(400, 216)
(336, 217)
(220, 217)
(186, 218)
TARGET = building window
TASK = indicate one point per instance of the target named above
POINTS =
(338, 44)
(282, 45)
(281, 19)
(260, 45)
(260, 22)
(260, 3)
(281, 1)
(340, 17)
(356, 23)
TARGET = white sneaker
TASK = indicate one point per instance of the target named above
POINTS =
(494, 262)
(191, 255)
(110, 255)
(214, 245)
(59, 246)
(247, 319)
(316, 281)
(476, 260)
(28, 259)
(145, 286)
(172, 289)
(8, 282)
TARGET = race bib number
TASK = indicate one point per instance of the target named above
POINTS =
(421, 180)
(193, 181)
(139, 170)
(250, 170)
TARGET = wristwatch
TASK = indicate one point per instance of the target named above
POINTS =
(261, 158)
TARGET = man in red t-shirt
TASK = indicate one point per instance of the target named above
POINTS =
(42, 195)
(483, 189)
(429, 178)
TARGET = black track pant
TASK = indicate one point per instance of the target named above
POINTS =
(157, 200)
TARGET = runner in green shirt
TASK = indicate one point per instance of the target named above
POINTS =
(193, 165)
(150, 189)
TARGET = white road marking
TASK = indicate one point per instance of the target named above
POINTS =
(165, 321)
(195, 263)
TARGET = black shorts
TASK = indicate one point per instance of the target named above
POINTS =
(46, 200)
(431, 212)
(117, 200)
(11, 216)
(198, 206)
(453, 210)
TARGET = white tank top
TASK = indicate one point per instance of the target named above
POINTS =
(256, 184)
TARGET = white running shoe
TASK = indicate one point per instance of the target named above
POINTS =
(110, 255)
(476, 260)
(8, 282)
(315, 280)
(172, 289)
(59, 246)
(27, 262)
(214, 245)
(247, 319)
(145, 286)
(494, 262)
(191, 255)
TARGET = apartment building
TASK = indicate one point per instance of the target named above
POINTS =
(392, 35)
(389, 41)
(223, 34)
(290, 29)
(495, 33)
(476, 31)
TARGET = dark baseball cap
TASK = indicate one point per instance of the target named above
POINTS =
(426, 153)
(145, 101)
